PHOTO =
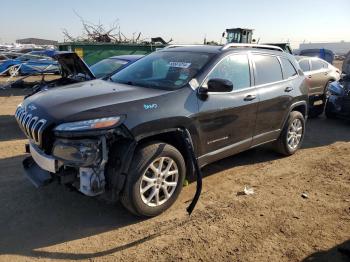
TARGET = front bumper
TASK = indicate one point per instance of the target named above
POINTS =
(46, 162)
(38, 166)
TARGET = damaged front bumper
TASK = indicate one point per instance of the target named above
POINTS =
(77, 162)
(38, 176)
(38, 166)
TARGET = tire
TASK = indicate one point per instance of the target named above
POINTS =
(282, 145)
(12, 71)
(143, 176)
(329, 112)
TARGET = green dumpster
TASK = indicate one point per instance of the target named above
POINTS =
(94, 52)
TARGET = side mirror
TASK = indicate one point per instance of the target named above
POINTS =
(219, 85)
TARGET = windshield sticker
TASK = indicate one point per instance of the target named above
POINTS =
(180, 64)
(194, 83)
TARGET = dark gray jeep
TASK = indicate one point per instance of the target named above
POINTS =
(137, 136)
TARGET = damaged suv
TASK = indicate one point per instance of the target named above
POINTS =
(137, 136)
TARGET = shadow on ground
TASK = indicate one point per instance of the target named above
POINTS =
(31, 219)
(319, 132)
(8, 122)
(339, 253)
(34, 218)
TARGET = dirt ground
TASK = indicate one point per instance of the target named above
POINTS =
(274, 224)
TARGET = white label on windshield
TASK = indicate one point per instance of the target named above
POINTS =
(179, 64)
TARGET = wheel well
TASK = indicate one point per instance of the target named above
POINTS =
(301, 109)
(175, 139)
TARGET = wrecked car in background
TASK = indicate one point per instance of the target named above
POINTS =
(320, 74)
(26, 64)
(73, 69)
(338, 102)
(112, 65)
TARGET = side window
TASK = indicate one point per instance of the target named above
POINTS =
(288, 68)
(316, 64)
(234, 68)
(325, 65)
(268, 69)
(304, 65)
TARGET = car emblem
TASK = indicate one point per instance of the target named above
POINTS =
(31, 107)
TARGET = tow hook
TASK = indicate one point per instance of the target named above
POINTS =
(197, 171)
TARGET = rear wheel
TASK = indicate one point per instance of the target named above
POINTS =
(292, 134)
(155, 180)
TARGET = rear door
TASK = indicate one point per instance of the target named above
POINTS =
(318, 76)
(275, 93)
(226, 120)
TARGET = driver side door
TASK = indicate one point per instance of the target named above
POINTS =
(226, 120)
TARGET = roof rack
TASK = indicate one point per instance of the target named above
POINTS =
(180, 45)
(269, 47)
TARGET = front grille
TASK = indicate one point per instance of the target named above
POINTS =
(31, 125)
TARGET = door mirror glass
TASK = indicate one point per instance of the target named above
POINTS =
(219, 85)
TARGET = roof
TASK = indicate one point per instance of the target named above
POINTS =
(239, 28)
(193, 48)
(216, 49)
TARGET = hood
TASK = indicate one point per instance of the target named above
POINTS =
(89, 100)
(346, 65)
(72, 65)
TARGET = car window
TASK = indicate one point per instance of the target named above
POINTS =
(316, 64)
(107, 67)
(164, 70)
(234, 68)
(325, 65)
(268, 69)
(288, 68)
(304, 65)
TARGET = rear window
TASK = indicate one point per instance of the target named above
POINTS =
(107, 67)
(288, 68)
(268, 69)
(304, 65)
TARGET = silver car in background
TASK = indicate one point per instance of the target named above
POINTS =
(319, 74)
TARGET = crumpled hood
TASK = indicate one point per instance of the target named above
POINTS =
(72, 65)
(88, 100)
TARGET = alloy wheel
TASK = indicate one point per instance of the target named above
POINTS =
(295, 133)
(159, 181)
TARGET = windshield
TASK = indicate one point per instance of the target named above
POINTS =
(165, 70)
(106, 67)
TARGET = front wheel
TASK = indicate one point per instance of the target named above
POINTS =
(155, 180)
(13, 71)
(292, 134)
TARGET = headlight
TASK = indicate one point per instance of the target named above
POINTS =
(93, 124)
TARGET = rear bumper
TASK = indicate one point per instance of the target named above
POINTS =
(38, 176)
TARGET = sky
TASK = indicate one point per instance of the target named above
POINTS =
(184, 21)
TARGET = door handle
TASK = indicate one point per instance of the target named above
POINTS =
(288, 89)
(249, 97)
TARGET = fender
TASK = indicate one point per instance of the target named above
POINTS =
(168, 126)
(294, 105)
